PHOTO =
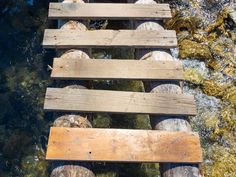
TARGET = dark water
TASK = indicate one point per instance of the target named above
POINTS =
(24, 76)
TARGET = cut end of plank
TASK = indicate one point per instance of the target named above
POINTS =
(121, 145)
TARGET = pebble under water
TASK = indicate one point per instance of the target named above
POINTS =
(206, 34)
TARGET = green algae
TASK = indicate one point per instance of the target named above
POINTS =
(193, 76)
(192, 49)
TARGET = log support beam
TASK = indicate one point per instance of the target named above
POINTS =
(73, 169)
(162, 122)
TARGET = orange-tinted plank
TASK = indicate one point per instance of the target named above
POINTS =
(122, 145)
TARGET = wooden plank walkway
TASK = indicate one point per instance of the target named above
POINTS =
(109, 11)
(116, 69)
(58, 99)
(123, 145)
(116, 145)
(64, 38)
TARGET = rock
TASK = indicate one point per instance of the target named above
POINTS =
(232, 15)
(212, 88)
(183, 21)
(192, 49)
(193, 76)
(35, 164)
(17, 143)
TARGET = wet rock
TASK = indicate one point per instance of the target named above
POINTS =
(183, 21)
(17, 143)
(35, 164)
(192, 49)
(102, 121)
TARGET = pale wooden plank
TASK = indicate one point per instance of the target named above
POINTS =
(58, 99)
(64, 38)
(110, 11)
(121, 145)
(116, 69)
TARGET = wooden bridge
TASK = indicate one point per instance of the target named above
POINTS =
(120, 145)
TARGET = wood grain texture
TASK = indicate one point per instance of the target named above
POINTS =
(116, 69)
(65, 38)
(117, 11)
(121, 145)
(118, 102)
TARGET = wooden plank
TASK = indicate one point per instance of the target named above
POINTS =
(117, 11)
(116, 69)
(118, 102)
(64, 38)
(122, 145)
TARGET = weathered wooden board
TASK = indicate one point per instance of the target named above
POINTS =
(116, 69)
(64, 38)
(111, 11)
(118, 102)
(123, 145)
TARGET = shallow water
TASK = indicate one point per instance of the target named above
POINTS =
(24, 75)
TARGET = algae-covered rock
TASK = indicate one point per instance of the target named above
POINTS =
(230, 95)
(108, 174)
(183, 21)
(212, 88)
(222, 162)
(219, 24)
(17, 143)
(34, 163)
(193, 76)
(192, 49)
(102, 121)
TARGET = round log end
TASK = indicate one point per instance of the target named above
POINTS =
(73, 54)
(71, 171)
(75, 25)
(74, 121)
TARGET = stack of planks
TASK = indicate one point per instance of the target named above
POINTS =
(117, 145)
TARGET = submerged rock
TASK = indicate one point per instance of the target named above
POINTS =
(34, 165)
(72, 121)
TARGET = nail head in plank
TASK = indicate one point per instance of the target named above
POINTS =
(121, 145)
(64, 99)
(65, 38)
(112, 11)
(116, 69)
